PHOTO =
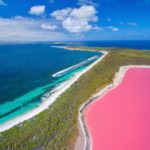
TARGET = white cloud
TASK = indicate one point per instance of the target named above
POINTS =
(37, 10)
(27, 29)
(87, 2)
(76, 20)
(133, 24)
(113, 28)
(48, 26)
(98, 28)
(76, 26)
(2, 3)
(61, 14)
(84, 12)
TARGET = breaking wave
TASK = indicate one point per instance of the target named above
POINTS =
(62, 72)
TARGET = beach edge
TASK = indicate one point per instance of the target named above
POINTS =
(50, 100)
(102, 92)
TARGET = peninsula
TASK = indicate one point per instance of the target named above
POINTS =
(58, 126)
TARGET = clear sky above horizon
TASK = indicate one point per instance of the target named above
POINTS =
(54, 20)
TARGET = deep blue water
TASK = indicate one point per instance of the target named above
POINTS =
(26, 71)
(139, 44)
(26, 74)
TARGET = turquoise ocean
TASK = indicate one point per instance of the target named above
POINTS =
(29, 73)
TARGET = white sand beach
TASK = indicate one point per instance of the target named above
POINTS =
(51, 99)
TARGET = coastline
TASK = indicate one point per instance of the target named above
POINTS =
(116, 81)
(97, 78)
(51, 99)
(79, 49)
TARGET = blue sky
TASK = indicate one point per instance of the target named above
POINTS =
(55, 20)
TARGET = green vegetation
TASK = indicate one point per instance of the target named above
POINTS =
(56, 127)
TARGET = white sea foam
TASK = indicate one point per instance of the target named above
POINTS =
(50, 100)
(62, 72)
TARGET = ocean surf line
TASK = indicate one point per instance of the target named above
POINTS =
(29, 110)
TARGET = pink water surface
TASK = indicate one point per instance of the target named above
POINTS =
(121, 119)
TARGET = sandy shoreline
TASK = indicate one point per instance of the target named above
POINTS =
(51, 99)
(77, 48)
(116, 81)
(84, 139)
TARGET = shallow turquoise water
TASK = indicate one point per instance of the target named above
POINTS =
(26, 74)
(24, 103)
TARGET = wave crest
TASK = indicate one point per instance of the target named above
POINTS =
(62, 72)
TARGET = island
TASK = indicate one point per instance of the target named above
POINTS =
(62, 125)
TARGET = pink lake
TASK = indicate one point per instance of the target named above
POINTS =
(121, 119)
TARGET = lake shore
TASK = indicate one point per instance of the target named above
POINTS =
(116, 81)
(50, 100)
(60, 122)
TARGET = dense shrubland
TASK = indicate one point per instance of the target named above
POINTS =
(56, 127)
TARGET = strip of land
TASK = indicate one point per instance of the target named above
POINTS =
(116, 81)
(57, 126)
(49, 101)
